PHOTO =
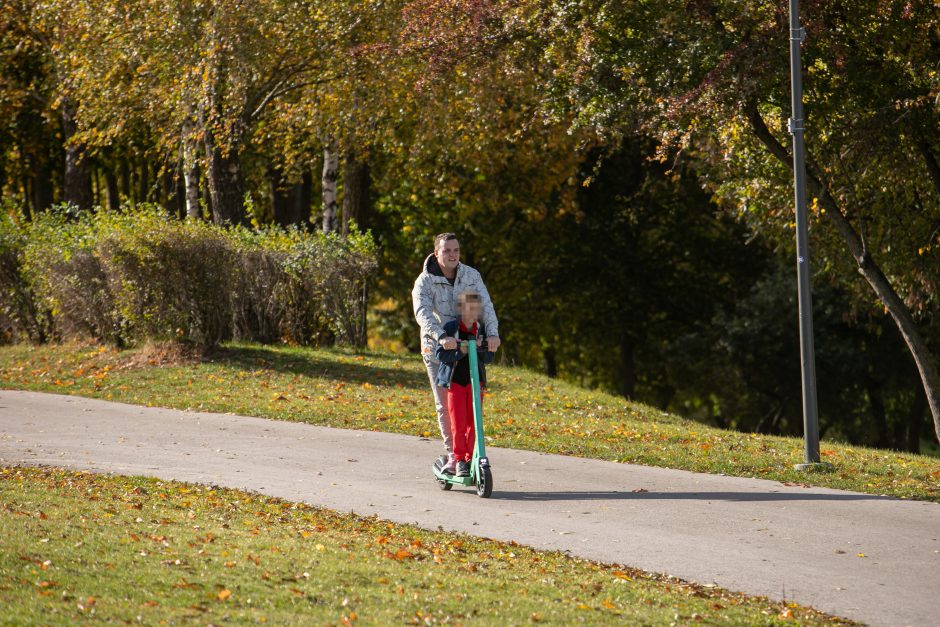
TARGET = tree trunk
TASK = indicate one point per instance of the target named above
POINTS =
(180, 194)
(330, 177)
(302, 199)
(291, 204)
(126, 179)
(41, 188)
(191, 172)
(867, 267)
(191, 182)
(76, 188)
(915, 421)
(168, 191)
(111, 185)
(226, 186)
(627, 368)
(27, 195)
(95, 188)
(551, 362)
(356, 191)
(144, 193)
(280, 197)
(877, 407)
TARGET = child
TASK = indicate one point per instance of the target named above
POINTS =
(454, 375)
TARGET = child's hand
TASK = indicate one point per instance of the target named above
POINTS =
(448, 343)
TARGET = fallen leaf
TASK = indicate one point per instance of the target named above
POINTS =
(224, 594)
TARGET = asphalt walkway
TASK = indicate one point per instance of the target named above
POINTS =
(869, 558)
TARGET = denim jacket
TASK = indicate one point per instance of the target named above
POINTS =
(449, 358)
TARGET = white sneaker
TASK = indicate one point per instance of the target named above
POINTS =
(450, 466)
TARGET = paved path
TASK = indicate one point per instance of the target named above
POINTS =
(756, 536)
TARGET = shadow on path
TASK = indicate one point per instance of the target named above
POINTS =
(676, 496)
(351, 368)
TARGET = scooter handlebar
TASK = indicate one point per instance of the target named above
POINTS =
(484, 346)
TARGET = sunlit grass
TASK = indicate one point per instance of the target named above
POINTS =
(78, 547)
(387, 392)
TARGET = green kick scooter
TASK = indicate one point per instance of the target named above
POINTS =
(480, 474)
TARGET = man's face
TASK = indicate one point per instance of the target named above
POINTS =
(448, 254)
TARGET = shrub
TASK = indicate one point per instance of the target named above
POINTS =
(267, 306)
(140, 274)
(308, 287)
(170, 279)
(61, 266)
(21, 315)
(335, 271)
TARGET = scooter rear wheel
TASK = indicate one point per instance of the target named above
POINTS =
(485, 482)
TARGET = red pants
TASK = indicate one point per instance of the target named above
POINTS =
(460, 407)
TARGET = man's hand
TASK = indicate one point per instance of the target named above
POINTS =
(448, 343)
(493, 343)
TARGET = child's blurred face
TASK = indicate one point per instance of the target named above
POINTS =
(470, 311)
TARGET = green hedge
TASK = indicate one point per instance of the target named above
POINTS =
(141, 274)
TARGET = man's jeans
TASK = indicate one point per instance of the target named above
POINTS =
(440, 402)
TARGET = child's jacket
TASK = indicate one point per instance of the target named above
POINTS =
(450, 358)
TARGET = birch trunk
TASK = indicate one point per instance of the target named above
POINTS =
(190, 172)
(330, 178)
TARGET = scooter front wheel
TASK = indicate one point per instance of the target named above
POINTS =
(484, 482)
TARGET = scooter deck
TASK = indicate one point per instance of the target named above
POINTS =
(467, 481)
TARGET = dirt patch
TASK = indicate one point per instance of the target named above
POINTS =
(165, 354)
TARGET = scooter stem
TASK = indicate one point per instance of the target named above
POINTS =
(479, 449)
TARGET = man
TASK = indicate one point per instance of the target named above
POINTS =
(434, 298)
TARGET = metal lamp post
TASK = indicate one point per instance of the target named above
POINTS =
(807, 352)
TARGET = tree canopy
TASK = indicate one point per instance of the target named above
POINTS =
(619, 171)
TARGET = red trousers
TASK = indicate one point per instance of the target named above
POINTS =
(460, 407)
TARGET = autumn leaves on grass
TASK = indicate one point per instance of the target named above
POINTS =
(79, 545)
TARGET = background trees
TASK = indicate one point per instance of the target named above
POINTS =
(618, 171)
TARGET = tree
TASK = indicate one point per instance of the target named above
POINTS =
(29, 147)
(196, 74)
(710, 79)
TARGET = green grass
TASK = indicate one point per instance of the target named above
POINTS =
(387, 392)
(77, 547)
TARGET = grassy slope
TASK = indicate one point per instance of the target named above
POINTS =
(77, 547)
(381, 391)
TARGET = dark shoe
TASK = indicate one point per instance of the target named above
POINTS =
(463, 469)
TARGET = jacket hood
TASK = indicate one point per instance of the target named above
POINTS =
(432, 267)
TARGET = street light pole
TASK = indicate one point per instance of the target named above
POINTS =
(807, 353)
